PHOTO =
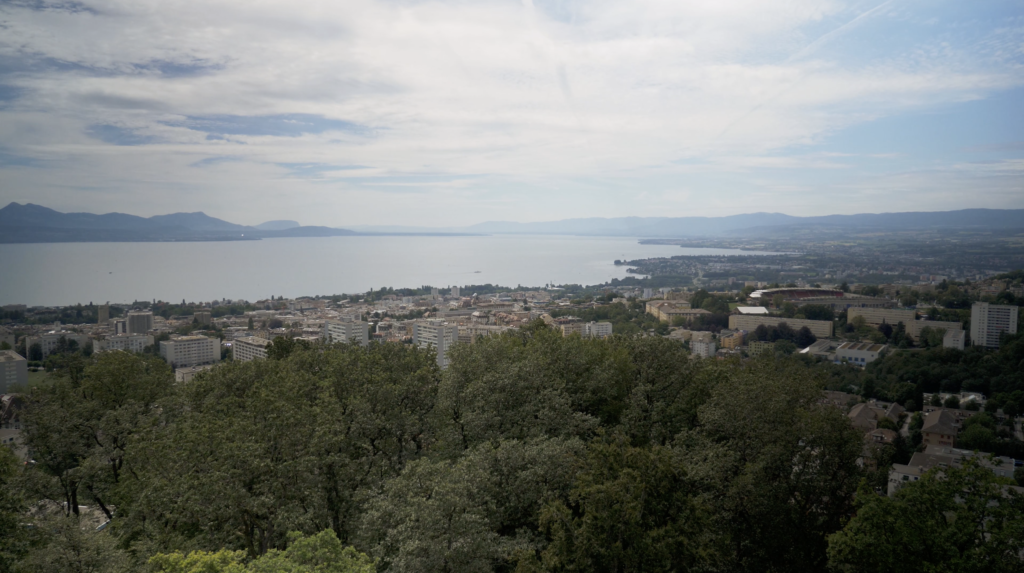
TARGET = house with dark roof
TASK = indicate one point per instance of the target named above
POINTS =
(940, 428)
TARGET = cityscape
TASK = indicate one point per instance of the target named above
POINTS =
(517, 286)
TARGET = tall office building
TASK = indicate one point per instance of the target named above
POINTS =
(455, 292)
(988, 321)
(346, 329)
(103, 314)
(436, 333)
(140, 322)
(202, 316)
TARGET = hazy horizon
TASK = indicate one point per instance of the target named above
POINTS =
(441, 114)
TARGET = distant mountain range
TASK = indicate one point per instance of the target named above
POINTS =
(751, 225)
(35, 224)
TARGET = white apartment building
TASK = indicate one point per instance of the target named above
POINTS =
(704, 348)
(13, 371)
(51, 340)
(598, 329)
(190, 351)
(455, 292)
(953, 339)
(125, 342)
(139, 322)
(437, 334)
(988, 321)
(346, 329)
(249, 348)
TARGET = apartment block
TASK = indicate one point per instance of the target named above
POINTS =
(139, 322)
(51, 341)
(988, 321)
(598, 329)
(878, 316)
(819, 328)
(703, 348)
(125, 342)
(249, 348)
(346, 329)
(437, 334)
(13, 371)
(190, 351)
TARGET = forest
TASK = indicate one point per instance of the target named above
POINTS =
(531, 452)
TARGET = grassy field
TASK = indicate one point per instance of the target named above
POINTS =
(38, 378)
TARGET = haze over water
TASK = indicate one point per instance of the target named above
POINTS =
(69, 273)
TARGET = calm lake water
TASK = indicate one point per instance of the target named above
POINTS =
(69, 273)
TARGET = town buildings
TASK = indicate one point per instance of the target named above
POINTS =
(346, 329)
(941, 456)
(190, 351)
(125, 342)
(249, 348)
(51, 341)
(437, 334)
(988, 321)
(705, 348)
(189, 373)
(859, 353)
(103, 314)
(819, 328)
(139, 321)
(940, 428)
(13, 371)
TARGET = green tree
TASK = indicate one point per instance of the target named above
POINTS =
(956, 520)
(781, 470)
(320, 553)
(631, 509)
(13, 533)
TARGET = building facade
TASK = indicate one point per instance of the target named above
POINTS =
(139, 321)
(437, 334)
(988, 321)
(346, 329)
(598, 329)
(878, 316)
(51, 341)
(188, 374)
(819, 328)
(202, 317)
(249, 348)
(125, 342)
(190, 351)
(859, 353)
(13, 371)
(703, 348)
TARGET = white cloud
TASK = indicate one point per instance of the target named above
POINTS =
(461, 101)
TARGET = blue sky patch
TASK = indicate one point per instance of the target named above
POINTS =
(116, 135)
(285, 125)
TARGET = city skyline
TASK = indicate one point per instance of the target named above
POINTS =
(438, 114)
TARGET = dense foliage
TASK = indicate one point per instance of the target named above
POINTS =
(530, 452)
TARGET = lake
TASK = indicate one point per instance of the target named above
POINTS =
(69, 273)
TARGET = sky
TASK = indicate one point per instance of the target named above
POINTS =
(447, 113)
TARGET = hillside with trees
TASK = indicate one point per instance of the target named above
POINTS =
(531, 452)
